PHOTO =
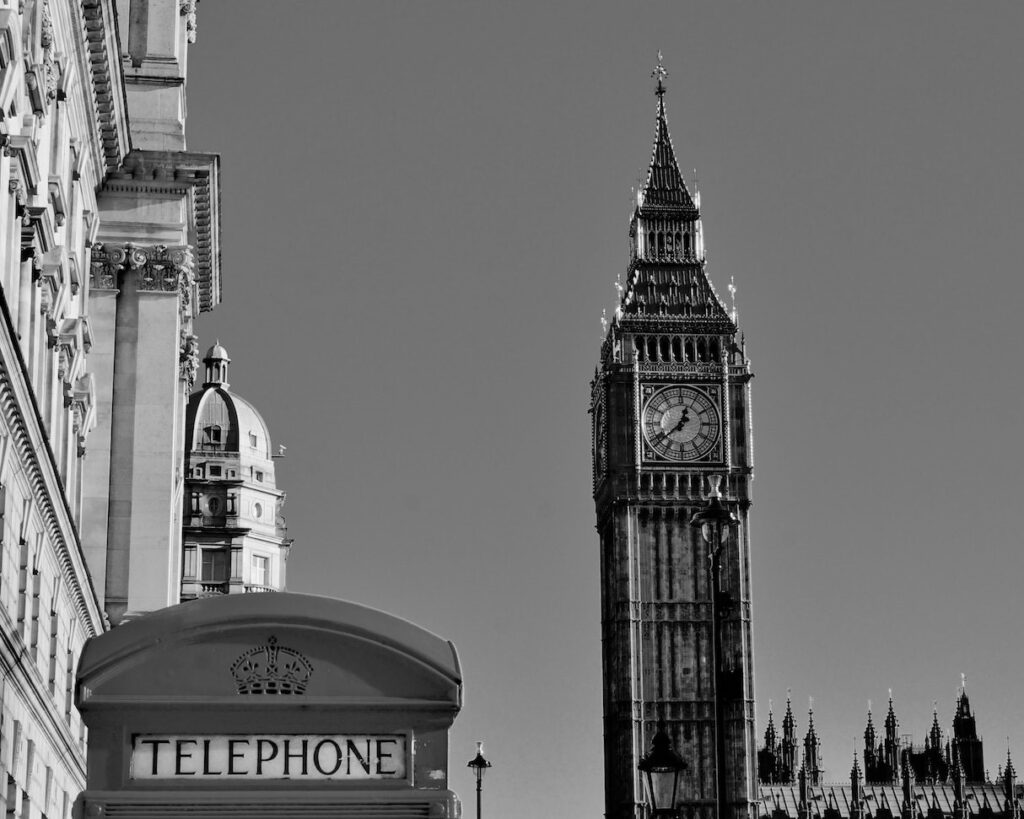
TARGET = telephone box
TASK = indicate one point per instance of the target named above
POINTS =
(268, 705)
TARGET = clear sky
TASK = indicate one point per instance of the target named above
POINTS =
(425, 208)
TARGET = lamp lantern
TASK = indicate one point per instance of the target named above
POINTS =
(661, 767)
(479, 766)
(714, 520)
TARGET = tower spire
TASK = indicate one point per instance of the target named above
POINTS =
(812, 754)
(665, 187)
(770, 737)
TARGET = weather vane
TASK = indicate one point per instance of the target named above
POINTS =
(659, 73)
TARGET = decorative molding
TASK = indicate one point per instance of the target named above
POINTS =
(196, 175)
(271, 669)
(37, 466)
(188, 11)
(22, 148)
(107, 84)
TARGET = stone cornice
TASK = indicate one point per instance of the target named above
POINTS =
(28, 438)
(104, 68)
(197, 175)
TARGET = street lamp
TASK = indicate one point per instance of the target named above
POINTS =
(479, 766)
(715, 523)
(661, 767)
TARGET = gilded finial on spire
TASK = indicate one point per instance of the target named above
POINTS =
(659, 73)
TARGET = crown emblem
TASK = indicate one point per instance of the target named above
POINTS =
(271, 669)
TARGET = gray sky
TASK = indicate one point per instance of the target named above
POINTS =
(425, 208)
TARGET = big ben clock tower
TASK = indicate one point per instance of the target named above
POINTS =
(671, 421)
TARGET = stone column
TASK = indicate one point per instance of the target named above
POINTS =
(148, 368)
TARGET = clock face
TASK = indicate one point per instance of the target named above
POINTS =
(681, 424)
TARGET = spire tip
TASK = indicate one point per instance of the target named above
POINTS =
(659, 73)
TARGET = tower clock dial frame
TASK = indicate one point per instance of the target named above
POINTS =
(600, 438)
(682, 423)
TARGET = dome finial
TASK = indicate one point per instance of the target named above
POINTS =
(659, 73)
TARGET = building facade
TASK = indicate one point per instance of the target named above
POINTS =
(234, 537)
(670, 406)
(943, 776)
(109, 249)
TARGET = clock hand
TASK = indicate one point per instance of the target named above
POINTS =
(683, 419)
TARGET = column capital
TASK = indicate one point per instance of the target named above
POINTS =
(157, 268)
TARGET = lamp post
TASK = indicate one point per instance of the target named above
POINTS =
(479, 766)
(661, 767)
(715, 523)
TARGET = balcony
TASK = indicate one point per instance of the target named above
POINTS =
(212, 589)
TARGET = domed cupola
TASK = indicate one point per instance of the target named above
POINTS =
(216, 362)
(234, 535)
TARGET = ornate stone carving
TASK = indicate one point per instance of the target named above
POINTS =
(15, 187)
(104, 266)
(158, 268)
(188, 11)
(51, 69)
(164, 269)
(188, 359)
(271, 669)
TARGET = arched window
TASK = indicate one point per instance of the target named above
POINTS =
(689, 350)
(686, 243)
(650, 241)
(702, 350)
(679, 242)
(212, 435)
(664, 349)
(714, 349)
(661, 243)
(638, 346)
(214, 506)
(652, 349)
(677, 349)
